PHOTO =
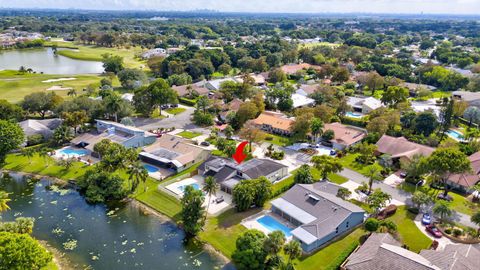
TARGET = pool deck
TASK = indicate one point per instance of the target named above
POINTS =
(252, 223)
(87, 158)
(214, 208)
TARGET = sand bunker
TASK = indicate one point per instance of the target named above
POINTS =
(58, 88)
(59, 80)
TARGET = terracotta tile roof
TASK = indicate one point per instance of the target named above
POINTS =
(401, 147)
(293, 68)
(345, 135)
(182, 89)
(275, 120)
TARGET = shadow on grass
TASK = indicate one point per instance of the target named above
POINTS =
(231, 217)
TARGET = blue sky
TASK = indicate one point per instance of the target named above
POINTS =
(315, 6)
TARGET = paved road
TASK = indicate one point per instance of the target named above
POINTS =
(182, 120)
(401, 195)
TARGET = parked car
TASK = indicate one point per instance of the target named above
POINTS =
(434, 231)
(403, 174)
(426, 219)
(333, 153)
(173, 105)
(205, 143)
(314, 146)
(447, 197)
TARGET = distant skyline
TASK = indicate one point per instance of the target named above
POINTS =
(275, 6)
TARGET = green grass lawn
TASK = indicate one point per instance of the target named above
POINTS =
(43, 166)
(348, 161)
(278, 140)
(94, 53)
(189, 134)
(50, 266)
(332, 256)
(408, 231)
(175, 111)
(460, 203)
(14, 86)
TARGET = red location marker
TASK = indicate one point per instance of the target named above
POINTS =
(239, 156)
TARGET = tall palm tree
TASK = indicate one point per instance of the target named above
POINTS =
(442, 209)
(3, 201)
(293, 250)
(317, 128)
(476, 219)
(137, 173)
(113, 104)
(210, 188)
(29, 153)
(373, 174)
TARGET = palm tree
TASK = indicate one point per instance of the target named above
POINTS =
(43, 152)
(316, 127)
(475, 218)
(113, 104)
(3, 201)
(137, 173)
(373, 174)
(293, 250)
(210, 188)
(62, 134)
(442, 209)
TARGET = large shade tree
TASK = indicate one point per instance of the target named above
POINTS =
(11, 137)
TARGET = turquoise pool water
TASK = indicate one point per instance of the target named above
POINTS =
(194, 185)
(73, 152)
(455, 134)
(272, 224)
(150, 168)
(354, 115)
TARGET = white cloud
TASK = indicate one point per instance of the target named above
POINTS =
(312, 6)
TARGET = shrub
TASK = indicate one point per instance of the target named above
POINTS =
(269, 138)
(35, 139)
(188, 102)
(414, 210)
(457, 232)
(278, 155)
(448, 231)
(371, 225)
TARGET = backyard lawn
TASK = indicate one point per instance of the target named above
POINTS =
(15, 85)
(408, 231)
(175, 111)
(189, 134)
(332, 256)
(348, 161)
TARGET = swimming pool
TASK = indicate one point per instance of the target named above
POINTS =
(354, 115)
(70, 152)
(272, 224)
(455, 134)
(150, 168)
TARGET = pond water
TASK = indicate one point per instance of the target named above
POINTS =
(44, 60)
(116, 237)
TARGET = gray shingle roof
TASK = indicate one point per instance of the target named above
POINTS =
(455, 257)
(318, 201)
(381, 251)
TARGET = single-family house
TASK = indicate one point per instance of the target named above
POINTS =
(275, 123)
(364, 104)
(414, 87)
(232, 106)
(258, 79)
(318, 215)
(381, 251)
(228, 173)
(173, 152)
(472, 98)
(465, 181)
(344, 136)
(400, 149)
(127, 136)
(307, 89)
(291, 69)
(214, 85)
(43, 127)
(301, 100)
(184, 90)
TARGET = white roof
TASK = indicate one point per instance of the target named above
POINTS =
(128, 97)
(293, 211)
(304, 236)
(372, 103)
(300, 100)
(216, 83)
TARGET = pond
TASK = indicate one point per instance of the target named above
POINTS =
(118, 237)
(44, 60)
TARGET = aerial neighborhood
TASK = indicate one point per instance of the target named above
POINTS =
(223, 141)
